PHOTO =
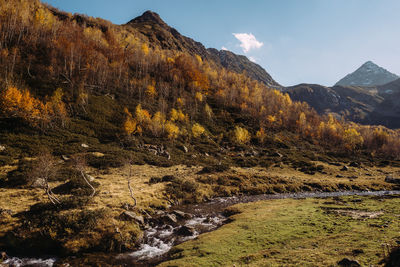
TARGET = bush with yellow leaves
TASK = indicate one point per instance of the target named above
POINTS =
(172, 130)
(197, 130)
(241, 135)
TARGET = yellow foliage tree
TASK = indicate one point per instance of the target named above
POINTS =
(172, 130)
(197, 130)
(145, 49)
(261, 135)
(352, 139)
(208, 111)
(130, 124)
(17, 103)
(142, 116)
(157, 124)
(241, 135)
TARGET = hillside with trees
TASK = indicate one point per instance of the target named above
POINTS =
(81, 95)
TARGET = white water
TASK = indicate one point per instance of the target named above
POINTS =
(17, 262)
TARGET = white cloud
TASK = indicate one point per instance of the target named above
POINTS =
(252, 59)
(247, 41)
(224, 48)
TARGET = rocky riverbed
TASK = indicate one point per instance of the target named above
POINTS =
(181, 223)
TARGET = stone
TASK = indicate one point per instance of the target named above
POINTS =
(169, 218)
(3, 256)
(39, 183)
(277, 154)
(84, 145)
(184, 149)
(354, 164)
(98, 154)
(182, 215)
(344, 168)
(2, 148)
(185, 231)
(65, 157)
(129, 215)
(346, 262)
(392, 180)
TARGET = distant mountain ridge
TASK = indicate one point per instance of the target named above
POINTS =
(159, 33)
(369, 74)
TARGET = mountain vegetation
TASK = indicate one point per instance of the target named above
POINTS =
(81, 95)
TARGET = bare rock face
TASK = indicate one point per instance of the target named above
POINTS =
(369, 74)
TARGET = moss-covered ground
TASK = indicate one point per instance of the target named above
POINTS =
(303, 232)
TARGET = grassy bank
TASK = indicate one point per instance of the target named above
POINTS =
(306, 232)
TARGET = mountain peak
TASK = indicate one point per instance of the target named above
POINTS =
(369, 74)
(148, 17)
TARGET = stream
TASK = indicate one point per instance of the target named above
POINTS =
(186, 222)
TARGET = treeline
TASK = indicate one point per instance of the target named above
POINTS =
(52, 61)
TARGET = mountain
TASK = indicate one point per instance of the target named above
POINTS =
(353, 103)
(158, 33)
(369, 74)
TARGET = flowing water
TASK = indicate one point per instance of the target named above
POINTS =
(187, 223)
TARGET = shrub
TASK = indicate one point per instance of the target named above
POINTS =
(172, 130)
(197, 130)
(241, 135)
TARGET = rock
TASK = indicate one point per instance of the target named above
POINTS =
(348, 263)
(339, 176)
(391, 180)
(39, 183)
(277, 154)
(185, 231)
(206, 154)
(182, 215)
(129, 215)
(3, 256)
(184, 149)
(89, 177)
(84, 145)
(98, 154)
(169, 218)
(2, 148)
(65, 157)
(344, 168)
(354, 164)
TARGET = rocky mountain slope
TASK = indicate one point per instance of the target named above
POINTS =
(369, 74)
(353, 103)
(158, 33)
(375, 105)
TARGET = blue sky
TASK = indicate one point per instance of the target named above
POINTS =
(296, 41)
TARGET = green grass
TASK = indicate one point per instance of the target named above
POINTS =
(291, 232)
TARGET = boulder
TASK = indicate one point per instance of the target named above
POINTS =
(65, 157)
(185, 230)
(346, 262)
(354, 164)
(182, 215)
(2, 148)
(84, 145)
(344, 168)
(392, 180)
(169, 219)
(3, 256)
(131, 216)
